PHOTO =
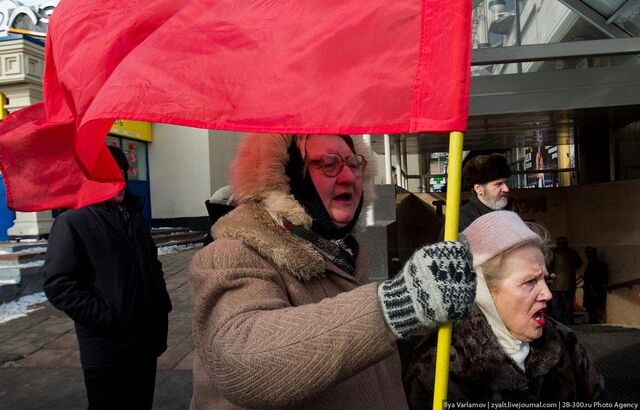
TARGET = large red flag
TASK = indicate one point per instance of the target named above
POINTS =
(307, 66)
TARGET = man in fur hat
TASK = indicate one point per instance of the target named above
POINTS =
(488, 178)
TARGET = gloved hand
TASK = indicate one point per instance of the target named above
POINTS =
(437, 284)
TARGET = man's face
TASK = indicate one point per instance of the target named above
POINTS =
(494, 194)
(118, 199)
(340, 194)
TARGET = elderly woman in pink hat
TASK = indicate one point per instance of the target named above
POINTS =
(507, 349)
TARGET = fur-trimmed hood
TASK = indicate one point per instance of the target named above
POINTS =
(258, 176)
(252, 224)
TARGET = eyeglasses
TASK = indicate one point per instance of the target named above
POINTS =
(332, 164)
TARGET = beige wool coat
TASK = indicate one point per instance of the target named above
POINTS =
(277, 326)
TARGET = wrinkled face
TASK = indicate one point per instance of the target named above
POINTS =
(494, 194)
(522, 294)
(340, 194)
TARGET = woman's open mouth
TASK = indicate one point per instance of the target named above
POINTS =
(345, 197)
(538, 317)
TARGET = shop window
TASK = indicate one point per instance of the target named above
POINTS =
(542, 166)
(136, 153)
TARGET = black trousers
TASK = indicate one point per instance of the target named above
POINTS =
(128, 387)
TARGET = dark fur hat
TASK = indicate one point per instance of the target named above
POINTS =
(485, 168)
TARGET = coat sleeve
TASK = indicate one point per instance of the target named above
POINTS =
(66, 282)
(260, 351)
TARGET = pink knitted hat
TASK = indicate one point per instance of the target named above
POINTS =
(496, 232)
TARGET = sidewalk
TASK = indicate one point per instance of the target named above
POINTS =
(40, 363)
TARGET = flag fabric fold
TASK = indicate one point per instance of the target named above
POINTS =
(305, 66)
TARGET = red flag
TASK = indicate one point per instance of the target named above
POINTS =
(307, 66)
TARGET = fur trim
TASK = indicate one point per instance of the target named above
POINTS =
(259, 167)
(491, 370)
(474, 335)
(281, 205)
(258, 176)
(256, 228)
(557, 367)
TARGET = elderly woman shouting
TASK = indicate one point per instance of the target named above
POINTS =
(507, 349)
(283, 316)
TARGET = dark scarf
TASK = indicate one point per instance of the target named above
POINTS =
(342, 253)
(326, 235)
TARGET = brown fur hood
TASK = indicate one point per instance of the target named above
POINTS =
(557, 367)
(254, 227)
(258, 176)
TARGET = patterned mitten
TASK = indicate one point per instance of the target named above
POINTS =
(436, 284)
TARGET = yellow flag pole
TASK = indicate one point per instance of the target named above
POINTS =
(454, 182)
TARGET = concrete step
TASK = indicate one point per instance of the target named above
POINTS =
(15, 272)
(21, 262)
(13, 259)
(170, 236)
(21, 280)
(185, 235)
(9, 247)
(195, 239)
(167, 231)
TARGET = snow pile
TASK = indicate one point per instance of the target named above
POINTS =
(177, 248)
(19, 308)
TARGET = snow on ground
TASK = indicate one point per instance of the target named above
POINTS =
(19, 308)
(35, 249)
(177, 248)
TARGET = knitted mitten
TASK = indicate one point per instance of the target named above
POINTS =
(436, 284)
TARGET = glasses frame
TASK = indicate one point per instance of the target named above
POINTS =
(320, 163)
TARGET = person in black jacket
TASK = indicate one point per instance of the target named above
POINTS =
(595, 286)
(102, 270)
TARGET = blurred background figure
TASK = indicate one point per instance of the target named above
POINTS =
(565, 261)
(596, 276)
(220, 204)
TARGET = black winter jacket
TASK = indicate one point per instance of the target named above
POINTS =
(557, 368)
(102, 269)
(471, 211)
